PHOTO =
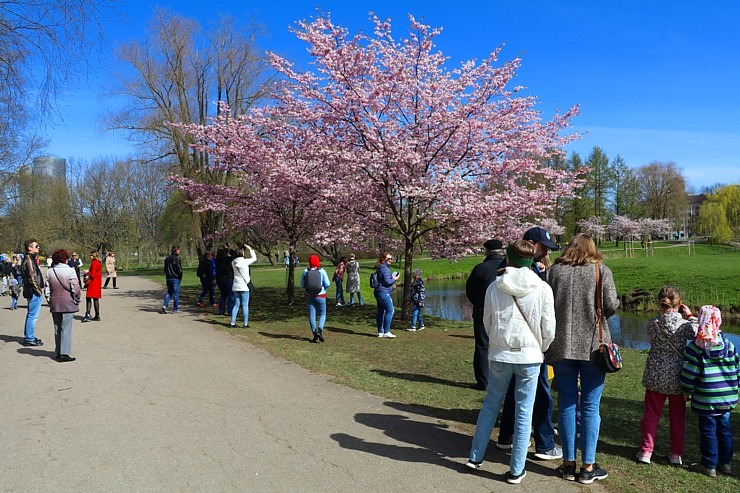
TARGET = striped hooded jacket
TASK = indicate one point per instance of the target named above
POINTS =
(712, 377)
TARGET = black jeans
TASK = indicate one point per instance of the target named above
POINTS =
(480, 356)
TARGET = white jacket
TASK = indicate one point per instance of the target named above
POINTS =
(241, 271)
(510, 340)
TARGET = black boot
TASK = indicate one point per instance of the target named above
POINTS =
(320, 335)
(315, 337)
(87, 318)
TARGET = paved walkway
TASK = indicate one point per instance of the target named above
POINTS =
(165, 403)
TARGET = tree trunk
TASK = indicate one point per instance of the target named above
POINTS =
(408, 264)
(291, 274)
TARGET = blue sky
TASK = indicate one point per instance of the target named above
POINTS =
(655, 80)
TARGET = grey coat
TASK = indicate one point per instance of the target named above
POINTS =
(574, 291)
(63, 289)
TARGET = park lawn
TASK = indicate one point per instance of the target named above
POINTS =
(431, 371)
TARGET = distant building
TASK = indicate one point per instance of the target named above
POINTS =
(49, 167)
(694, 203)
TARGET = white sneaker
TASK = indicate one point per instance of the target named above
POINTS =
(411, 329)
(381, 334)
(473, 465)
(388, 335)
(555, 453)
(421, 328)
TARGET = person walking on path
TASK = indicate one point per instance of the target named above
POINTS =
(173, 276)
(579, 281)
(242, 281)
(480, 278)
(668, 334)
(110, 269)
(207, 275)
(710, 375)
(93, 292)
(386, 280)
(520, 321)
(315, 282)
(63, 293)
(544, 431)
(353, 281)
(33, 291)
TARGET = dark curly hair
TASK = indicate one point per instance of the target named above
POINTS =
(60, 256)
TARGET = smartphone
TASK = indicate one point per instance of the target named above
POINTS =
(395, 274)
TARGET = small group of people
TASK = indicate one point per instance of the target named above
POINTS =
(229, 271)
(533, 314)
(62, 289)
(351, 269)
(690, 357)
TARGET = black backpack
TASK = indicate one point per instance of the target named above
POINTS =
(313, 282)
(374, 279)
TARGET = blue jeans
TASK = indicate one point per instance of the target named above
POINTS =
(499, 376)
(416, 315)
(592, 378)
(173, 291)
(34, 310)
(359, 298)
(543, 431)
(384, 315)
(13, 302)
(316, 305)
(715, 440)
(240, 298)
(340, 291)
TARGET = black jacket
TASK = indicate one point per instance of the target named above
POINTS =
(173, 267)
(482, 275)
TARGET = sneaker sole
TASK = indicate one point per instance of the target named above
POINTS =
(472, 466)
(548, 457)
(517, 480)
(591, 480)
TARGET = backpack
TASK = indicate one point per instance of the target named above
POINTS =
(374, 279)
(313, 282)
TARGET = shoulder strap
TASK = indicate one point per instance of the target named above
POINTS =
(516, 301)
(71, 291)
(598, 304)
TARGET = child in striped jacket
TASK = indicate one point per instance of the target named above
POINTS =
(710, 374)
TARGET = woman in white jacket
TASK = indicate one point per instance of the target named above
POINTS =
(240, 287)
(519, 318)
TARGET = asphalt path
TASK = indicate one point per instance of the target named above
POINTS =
(167, 403)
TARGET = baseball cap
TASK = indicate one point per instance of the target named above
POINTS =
(540, 235)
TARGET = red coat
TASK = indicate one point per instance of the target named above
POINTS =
(96, 273)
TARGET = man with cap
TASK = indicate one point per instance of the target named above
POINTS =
(482, 275)
(544, 432)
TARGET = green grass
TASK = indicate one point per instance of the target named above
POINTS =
(431, 370)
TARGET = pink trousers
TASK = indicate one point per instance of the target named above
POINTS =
(649, 425)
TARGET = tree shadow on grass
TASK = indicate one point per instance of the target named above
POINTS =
(462, 336)
(270, 335)
(415, 377)
(352, 332)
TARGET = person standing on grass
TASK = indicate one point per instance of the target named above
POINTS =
(519, 318)
(668, 334)
(33, 291)
(315, 282)
(173, 277)
(710, 376)
(353, 280)
(339, 280)
(417, 295)
(94, 287)
(574, 283)
(225, 279)
(240, 288)
(476, 286)
(207, 275)
(386, 280)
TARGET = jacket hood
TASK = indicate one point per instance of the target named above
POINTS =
(517, 281)
(720, 351)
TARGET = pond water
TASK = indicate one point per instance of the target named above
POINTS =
(446, 299)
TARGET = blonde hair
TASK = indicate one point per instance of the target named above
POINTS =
(381, 259)
(580, 251)
(669, 297)
(94, 254)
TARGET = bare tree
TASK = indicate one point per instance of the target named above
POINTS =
(175, 76)
(663, 191)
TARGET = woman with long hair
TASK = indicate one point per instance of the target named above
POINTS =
(386, 280)
(94, 291)
(574, 279)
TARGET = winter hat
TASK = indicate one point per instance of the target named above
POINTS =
(313, 262)
(710, 319)
(493, 245)
(516, 260)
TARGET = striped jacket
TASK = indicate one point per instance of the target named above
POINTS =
(712, 377)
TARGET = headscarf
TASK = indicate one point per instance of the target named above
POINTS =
(710, 319)
(313, 262)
